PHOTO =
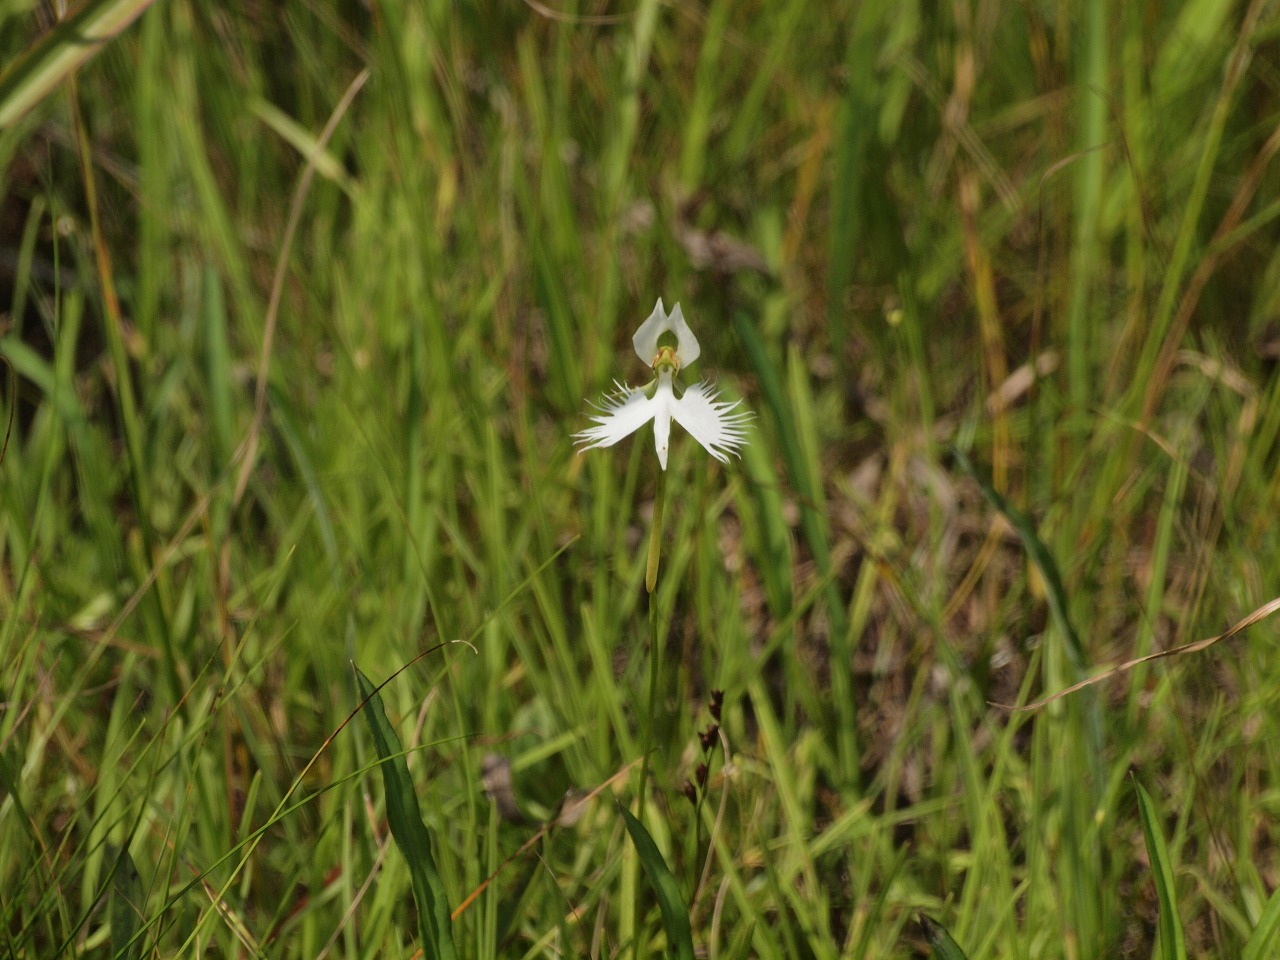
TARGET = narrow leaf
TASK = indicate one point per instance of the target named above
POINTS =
(9, 791)
(944, 947)
(73, 41)
(1172, 945)
(1259, 945)
(1039, 553)
(217, 349)
(675, 916)
(125, 908)
(409, 832)
(302, 140)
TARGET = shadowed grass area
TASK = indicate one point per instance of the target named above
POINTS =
(300, 307)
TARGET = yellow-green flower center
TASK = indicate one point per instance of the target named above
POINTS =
(666, 357)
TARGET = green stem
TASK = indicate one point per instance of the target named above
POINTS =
(650, 581)
(655, 537)
(655, 654)
(655, 657)
(655, 648)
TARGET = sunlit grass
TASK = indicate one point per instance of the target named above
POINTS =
(1044, 237)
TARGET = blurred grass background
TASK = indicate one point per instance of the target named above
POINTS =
(300, 304)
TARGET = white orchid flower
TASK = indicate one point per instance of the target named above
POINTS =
(709, 421)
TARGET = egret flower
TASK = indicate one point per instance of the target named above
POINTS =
(713, 423)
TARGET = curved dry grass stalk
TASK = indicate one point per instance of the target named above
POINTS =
(1264, 611)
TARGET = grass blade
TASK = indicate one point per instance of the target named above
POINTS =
(61, 50)
(675, 916)
(1256, 947)
(944, 947)
(218, 364)
(855, 149)
(125, 908)
(410, 833)
(1172, 945)
(1055, 592)
(792, 410)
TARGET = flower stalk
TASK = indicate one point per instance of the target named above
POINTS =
(667, 346)
(655, 647)
(655, 535)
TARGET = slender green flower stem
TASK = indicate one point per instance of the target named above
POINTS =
(655, 537)
(655, 647)
(655, 660)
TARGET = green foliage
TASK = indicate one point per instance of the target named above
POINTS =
(126, 906)
(410, 833)
(675, 915)
(1172, 944)
(1262, 941)
(300, 306)
(47, 62)
(943, 946)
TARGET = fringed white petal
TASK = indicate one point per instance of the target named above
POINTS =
(622, 414)
(711, 422)
(659, 322)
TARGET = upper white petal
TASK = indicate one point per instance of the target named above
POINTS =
(712, 423)
(687, 349)
(659, 322)
(620, 416)
(646, 336)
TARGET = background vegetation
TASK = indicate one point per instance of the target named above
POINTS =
(300, 305)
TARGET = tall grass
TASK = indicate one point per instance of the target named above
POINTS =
(296, 355)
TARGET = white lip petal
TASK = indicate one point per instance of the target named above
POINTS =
(659, 322)
(711, 422)
(621, 415)
(664, 403)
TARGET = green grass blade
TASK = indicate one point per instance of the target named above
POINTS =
(1182, 257)
(855, 142)
(762, 502)
(9, 792)
(1092, 80)
(1259, 945)
(1081, 738)
(944, 947)
(218, 364)
(1040, 556)
(410, 833)
(707, 78)
(307, 144)
(675, 916)
(791, 406)
(794, 421)
(125, 908)
(790, 423)
(1172, 945)
(73, 41)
